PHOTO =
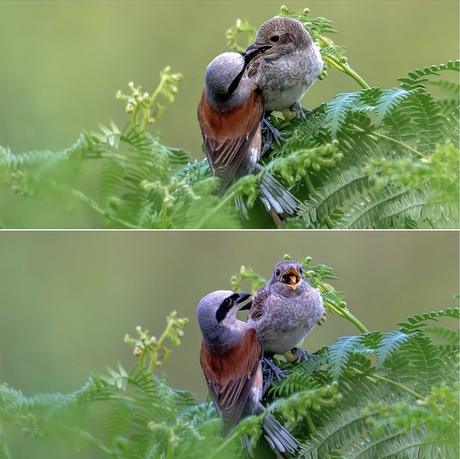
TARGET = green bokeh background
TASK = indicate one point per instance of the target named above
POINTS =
(67, 299)
(62, 63)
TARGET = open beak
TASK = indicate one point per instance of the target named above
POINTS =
(291, 278)
(241, 298)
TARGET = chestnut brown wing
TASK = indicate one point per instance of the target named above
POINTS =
(230, 376)
(227, 135)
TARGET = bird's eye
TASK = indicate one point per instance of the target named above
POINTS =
(277, 272)
(227, 302)
(274, 38)
(300, 270)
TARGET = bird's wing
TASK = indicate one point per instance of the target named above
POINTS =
(258, 300)
(228, 135)
(230, 376)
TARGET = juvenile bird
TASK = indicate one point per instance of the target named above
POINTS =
(289, 63)
(230, 114)
(230, 357)
(284, 310)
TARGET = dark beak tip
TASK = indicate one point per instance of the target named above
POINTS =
(246, 306)
(243, 296)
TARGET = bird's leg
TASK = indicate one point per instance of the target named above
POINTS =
(268, 380)
(300, 111)
(300, 354)
(269, 134)
(272, 370)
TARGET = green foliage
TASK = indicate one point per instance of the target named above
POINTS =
(374, 158)
(377, 394)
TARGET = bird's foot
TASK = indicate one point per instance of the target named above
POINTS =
(297, 355)
(300, 112)
(269, 135)
(272, 370)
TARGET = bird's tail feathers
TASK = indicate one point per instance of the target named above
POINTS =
(277, 198)
(246, 445)
(279, 439)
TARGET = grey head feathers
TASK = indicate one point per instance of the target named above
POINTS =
(225, 85)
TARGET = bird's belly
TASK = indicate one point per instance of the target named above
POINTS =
(285, 341)
(280, 98)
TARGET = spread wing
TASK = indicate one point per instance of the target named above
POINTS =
(230, 376)
(227, 135)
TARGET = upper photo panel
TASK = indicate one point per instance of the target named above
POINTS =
(202, 115)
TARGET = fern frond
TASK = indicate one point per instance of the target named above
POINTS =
(388, 101)
(333, 194)
(388, 209)
(340, 353)
(449, 338)
(419, 76)
(389, 343)
(416, 321)
(338, 109)
(451, 88)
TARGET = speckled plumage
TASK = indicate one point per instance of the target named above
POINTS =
(289, 68)
(283, 314)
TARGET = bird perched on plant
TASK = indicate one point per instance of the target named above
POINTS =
(284, 310)
(230, 113)
(230, 357)
(289, 65)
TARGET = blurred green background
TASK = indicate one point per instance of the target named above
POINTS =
(67, 299)
(63, 62)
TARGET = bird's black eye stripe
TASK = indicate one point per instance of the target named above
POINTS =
(221, 312)
(274, 38)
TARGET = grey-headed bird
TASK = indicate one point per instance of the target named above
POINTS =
(230, 113)
(230, 357)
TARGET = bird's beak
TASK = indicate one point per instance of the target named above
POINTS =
(241, 298)
(246, 306)
(254, 50)
(291, 278)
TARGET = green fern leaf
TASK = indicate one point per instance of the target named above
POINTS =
(389, 99)
(416, 321)
(340, 353)
(418, 76)
(337, 110)
(389, 343)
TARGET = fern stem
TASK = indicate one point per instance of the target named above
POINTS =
(308, 182)
(92, 205)
(164, 214)
(4, 451)
(342, 310)
(345, 68)
(310, 424)
(401, 144)
(346, 314)
(223, 446)
(216, 209)
(341, 64)
(393, 383)
(154, 362)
